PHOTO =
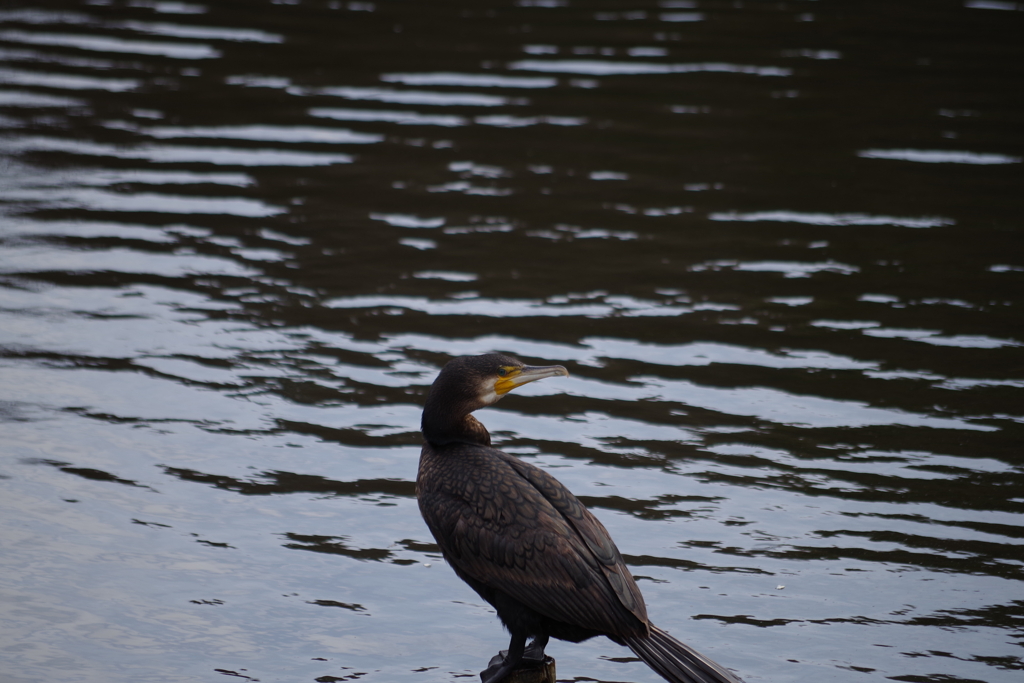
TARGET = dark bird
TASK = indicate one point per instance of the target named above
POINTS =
(523, 541)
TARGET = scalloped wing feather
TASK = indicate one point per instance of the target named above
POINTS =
(541, 546)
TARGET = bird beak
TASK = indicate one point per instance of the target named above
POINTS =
(525, 375)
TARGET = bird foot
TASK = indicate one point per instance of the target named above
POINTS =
(534, 654)
(499, 668)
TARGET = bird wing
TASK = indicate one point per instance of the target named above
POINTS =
(598, 541)
(512, 527)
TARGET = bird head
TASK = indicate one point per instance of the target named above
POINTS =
(479, 381)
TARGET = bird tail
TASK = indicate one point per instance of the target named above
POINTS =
(675, 661)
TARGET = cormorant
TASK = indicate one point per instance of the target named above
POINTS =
(522, 541)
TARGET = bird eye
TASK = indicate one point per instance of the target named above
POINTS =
(502, 372)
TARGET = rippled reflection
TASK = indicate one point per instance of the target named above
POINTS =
(776, 246)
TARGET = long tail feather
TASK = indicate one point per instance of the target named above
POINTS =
(677, 662)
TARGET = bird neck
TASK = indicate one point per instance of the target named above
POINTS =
(442, 427)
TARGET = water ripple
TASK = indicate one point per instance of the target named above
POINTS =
(66, 81)
(111, 44)
(593, 67)
(934, 156)
(224, 156)
(436, 99)
(472, 80)
(831, 219)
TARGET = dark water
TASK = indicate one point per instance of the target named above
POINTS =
(778, 246)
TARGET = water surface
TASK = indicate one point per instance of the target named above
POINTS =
(777, 245)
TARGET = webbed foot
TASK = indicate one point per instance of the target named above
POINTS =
(532, 658)
(534, 652)
(502, 664)
(498, 668)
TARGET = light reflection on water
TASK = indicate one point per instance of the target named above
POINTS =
(787, 293)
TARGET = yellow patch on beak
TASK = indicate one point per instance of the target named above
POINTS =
(528, 373)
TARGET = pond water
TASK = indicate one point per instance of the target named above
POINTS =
(778, 245)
